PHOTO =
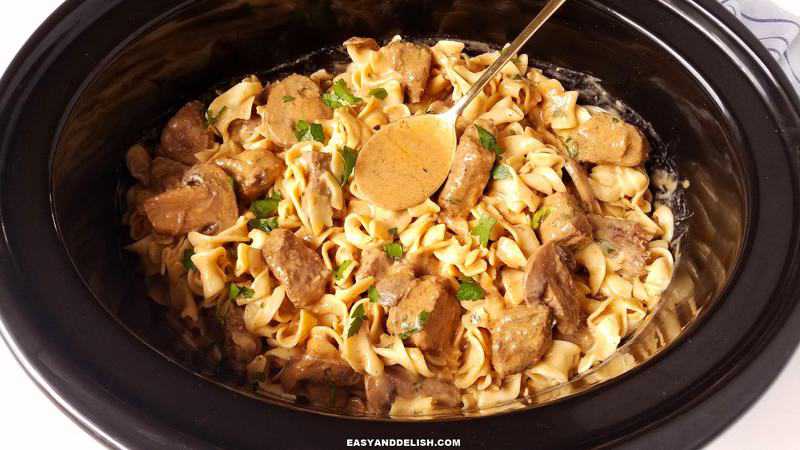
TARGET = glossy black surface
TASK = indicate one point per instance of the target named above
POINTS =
(99, 72)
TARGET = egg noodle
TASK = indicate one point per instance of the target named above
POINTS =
(481, 257)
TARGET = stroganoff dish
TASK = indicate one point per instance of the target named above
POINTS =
(541, 252)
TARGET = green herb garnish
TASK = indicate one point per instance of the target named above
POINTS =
(393, 250)
(356, 319)
(187, 259)
(483, 229)
(288, 98)
(501, 172)
(607, 247)
(393, 232)
(266, 225)
(235, 291)
(266, 207)
(305, 131)
(379, 93)
(539, 216)
(488, 140)
(338, 274)
(373, 294)
(349, 156)
(212, 118)
(571, 146)
(340, 96)
(469, 290)
(422, 319)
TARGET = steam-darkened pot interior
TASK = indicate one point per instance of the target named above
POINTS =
(182, 55)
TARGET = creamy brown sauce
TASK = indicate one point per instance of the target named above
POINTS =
(405, 162)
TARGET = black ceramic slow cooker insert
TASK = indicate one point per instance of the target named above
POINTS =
(100, 72)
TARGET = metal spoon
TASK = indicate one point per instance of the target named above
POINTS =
(406, 161)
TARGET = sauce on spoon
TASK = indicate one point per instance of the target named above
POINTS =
(406, 161)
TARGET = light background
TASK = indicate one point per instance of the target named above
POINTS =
(29, 420)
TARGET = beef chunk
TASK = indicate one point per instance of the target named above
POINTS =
(565, 223)
(520, 338)
(413, 63)
(294, 98)
(240, 346)
(606, 139)
(298, 268)
(548, 280)
(468, 175)
(428, 315)
(374, 263)
(394, 284)
(186, 134)
(624, 242)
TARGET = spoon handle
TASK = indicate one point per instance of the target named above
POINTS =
(549, 9)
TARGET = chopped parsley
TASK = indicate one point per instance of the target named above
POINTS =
(469, 290)
(488, 140)
(266, 207)
(422, 319)
(615, 119)
(340, 96)
(288, 98)
(266, 225)
(393, 250)
(349, 156)
(338, 274)
(607, 247)
(187, 259)
(379, 93)
(373, 294)
(501, 172)
(212, 117)
(235, 291)
(305, 131)
(571, 146)
(483, 229)
(539, 216)
(357, 317)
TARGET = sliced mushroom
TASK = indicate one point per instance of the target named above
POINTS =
(292, 99)
(413, 63)
(186, 134)
(255, 171)
(396, 381)
(548, 280)
(624, 242)
(204, 202)
(166, 173)
(138, 161)
(577, 173)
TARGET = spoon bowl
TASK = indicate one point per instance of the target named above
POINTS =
(407, 161)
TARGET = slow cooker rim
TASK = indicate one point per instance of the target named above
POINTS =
(66, 8)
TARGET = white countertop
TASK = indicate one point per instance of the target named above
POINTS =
(30, 420)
